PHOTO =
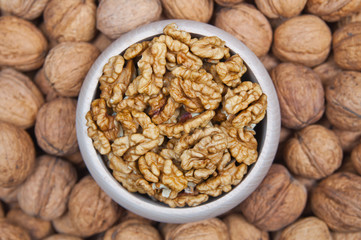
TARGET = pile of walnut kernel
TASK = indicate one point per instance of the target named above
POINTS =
(182, 129)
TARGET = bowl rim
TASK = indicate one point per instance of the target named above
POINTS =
(152, 209)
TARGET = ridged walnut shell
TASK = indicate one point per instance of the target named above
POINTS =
(134, 229)
(278, 201)
(346, 236)
(67, 64)
(247, 24)
(46, 191)
(197, 10)
(304, 39)
(280, 8)
(22, 45)
(239, 228)
(356, 158)
(70, 20)
(314, 152)
(20, 99)
(27, 9)
(343, 96)
(11, 231)
(115, 17)
(347, 46)
(333, 10)
(17, 155)
(300, 94)
(337, 201)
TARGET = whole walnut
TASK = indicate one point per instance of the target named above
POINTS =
(346, 236)
(70, 20)
(336, 200)
(67, 64)
(327, 71)
(306, 228)
(27, 9)
(300, 94)
(197, 10)
(90, 210)
(278, 201)
(20, 99)
(314, 152)
(36, 227)
(228, 3)
(333, 10)
(115, 17)
(134, 229)
(247, 24)
(348, 139)
(17, 155)
(304, 39)
(347, 46)
(11, 231)
(356, 158)
(62, 237)
(343, 97)
(280, 8)
(46, 191)
(239, 228)
(22, 45)
(45, 86)
(55, 127)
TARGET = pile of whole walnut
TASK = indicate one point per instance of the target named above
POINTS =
(312, 50)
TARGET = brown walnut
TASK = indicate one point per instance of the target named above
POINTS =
(27, 9)
(300, 94)
(280, 8)
(197, 10)
(12, 232)
(356, 17)
(356, 158)
(239, 228)
(333, 10)
(134, 229)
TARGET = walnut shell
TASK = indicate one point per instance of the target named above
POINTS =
(343, 98)
(300, 94)
(70, 20)
(62, 237)
(348, 139)
(115, 17)
(197, 10)
(20, 99)
(36, 227)
(327, 71)
(27, 9)
(17, 155)
(134, 229)
(280, 8)
(247, 24)
(46, 191)
(347, 46)
(303, 39)
(239, 228)
(314, 152)
(333, 10)
(356, 158)
(55, 127)
(22, 45)
(44, 85)
(10, 231)
(306, 228)
(67, 64)
(278, 201)
(346, 236)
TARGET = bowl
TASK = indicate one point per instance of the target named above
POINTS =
(268, 130)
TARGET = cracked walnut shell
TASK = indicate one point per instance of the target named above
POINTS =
(196, 10)
(27, 9)
(333, 10)
(280, 8)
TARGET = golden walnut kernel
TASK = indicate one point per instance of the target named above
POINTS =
(280, 8)
(17, 155)
(343, 96)
(197, 10)
(278, 201)
(55, 127)
(356, 158)
(333, 10)
(239, 228)
(336, 200)
(12, 231)
(20, 99)
(303, 39)
(300, 94)
(70, 20)
(27, 9)
(247, 24)
(22, 45)
(347, 46)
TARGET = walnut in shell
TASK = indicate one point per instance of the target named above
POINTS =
(303, 39)
(197, 10)
(278, 201)
(55, 127)
(20, 99)
(333, 10)
(343, 98)
(347, 46)
(17, 155)
(22, 45)
(336, 200)
(346, 235)
(132, 228)
(280, 8)
(46, 191)
(12, 232)
(239, 228)
(70, 20)
(300, 94)
(356, 158)
(45, 86)
(67, 64)
(115, 17)
(27, 9)
(247, 24)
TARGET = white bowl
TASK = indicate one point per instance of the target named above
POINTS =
(267, 132)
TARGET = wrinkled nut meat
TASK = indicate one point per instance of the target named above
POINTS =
(182, 129)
